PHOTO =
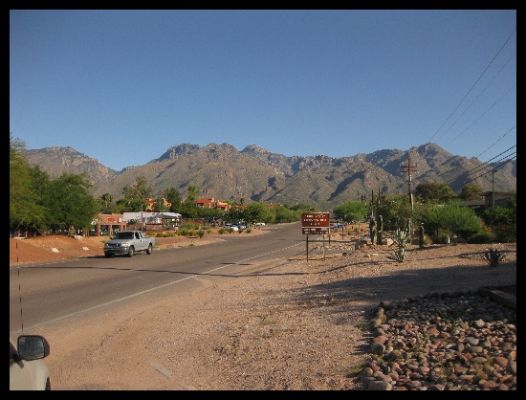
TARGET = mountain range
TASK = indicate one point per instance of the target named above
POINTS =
(254, 173)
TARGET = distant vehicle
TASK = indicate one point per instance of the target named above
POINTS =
(259, 224)
(26, 370)
(128, 243)
(235, 228)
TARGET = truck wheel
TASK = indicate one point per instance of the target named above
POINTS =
(131, 251)
(149, 251)
(107, 255)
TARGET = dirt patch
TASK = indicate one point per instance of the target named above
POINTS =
(283, 324)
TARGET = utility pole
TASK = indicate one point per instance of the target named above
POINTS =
(493, 187)
(410, 168)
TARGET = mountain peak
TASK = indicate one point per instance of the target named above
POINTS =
(179, 150)
(255, 149)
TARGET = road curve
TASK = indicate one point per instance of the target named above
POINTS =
(55, 291)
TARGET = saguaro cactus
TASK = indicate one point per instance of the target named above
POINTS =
(380, 229)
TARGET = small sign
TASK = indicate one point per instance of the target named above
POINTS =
(314, 231)
(315, 223)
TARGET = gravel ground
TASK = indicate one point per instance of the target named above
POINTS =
(459, 341)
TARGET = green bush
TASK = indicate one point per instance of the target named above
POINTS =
(450, 219)
(503, 222)
(351, 211)
(200, 233)
(248, 230)
(221, 231)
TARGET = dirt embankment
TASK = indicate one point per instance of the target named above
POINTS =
(282, 324)
(52, 248)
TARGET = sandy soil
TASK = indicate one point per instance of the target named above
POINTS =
(284, 324)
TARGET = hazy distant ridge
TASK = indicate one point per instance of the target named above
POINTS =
(222, 171)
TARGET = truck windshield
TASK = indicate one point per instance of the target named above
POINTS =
(124, 235)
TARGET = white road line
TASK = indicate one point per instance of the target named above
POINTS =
(152, 289)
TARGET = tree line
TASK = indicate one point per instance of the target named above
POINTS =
(40, 205)
(441, 212)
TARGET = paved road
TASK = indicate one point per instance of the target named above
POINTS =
(55, 291)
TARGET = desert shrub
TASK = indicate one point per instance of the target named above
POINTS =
(248, 230)
(503, 222)
(482, 237)
(450, 219)
(200, 233)
(395, 210)
(221, 231)
(351, 211)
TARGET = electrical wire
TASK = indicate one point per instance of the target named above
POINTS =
(472, 86)
(494, 169)
(481, 92)
(482, 115)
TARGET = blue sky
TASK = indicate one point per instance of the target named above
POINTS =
(123, 86)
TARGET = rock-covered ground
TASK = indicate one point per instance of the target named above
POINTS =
(459, 341)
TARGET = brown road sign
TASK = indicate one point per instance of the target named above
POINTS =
(315, 223)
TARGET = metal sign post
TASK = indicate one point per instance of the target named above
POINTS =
(315, 223)
(307, 242)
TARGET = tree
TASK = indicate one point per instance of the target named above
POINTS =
(106, 201)
(172, 196)
(192, 193)
(70, 203)
(135, 196)
(434, 192)
(25, 209)
(258, 212)
(471, 191)
(159, 205)
(351, 211)
(395, 210)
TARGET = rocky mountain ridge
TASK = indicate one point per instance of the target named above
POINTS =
(254, 173)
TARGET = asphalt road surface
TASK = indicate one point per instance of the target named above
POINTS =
(51, 292)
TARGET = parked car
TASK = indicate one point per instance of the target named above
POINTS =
(26, 369)
(128, 243)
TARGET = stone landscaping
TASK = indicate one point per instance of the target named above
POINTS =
(448, 341)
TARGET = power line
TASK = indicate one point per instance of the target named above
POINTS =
(482, 115)
(493, 169)
(472, 86)
(452, 157)
(482, 166)
(498, 140)
(481, 92)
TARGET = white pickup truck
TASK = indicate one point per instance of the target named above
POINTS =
(128, 243)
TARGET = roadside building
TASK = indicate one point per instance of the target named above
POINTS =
(211, 202)
(152, 220)
(107, 223)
